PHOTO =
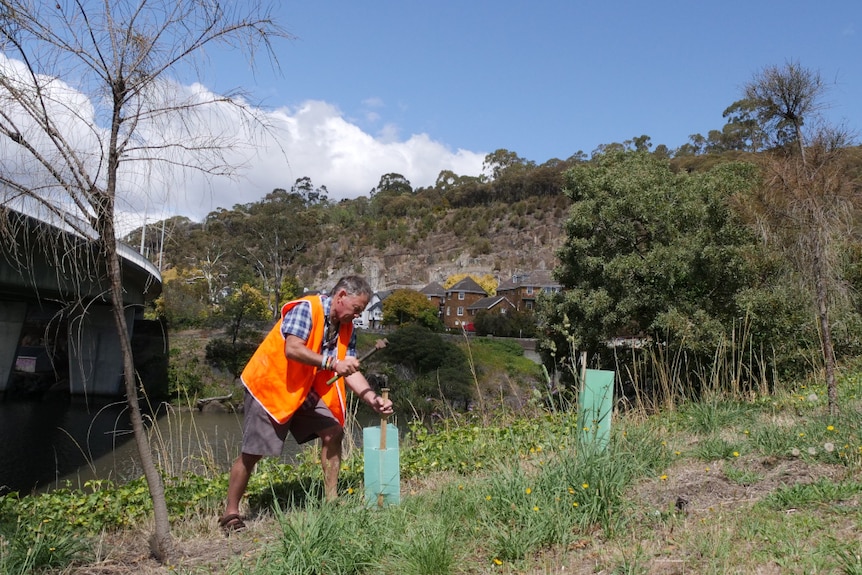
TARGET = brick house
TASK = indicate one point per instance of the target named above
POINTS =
(458, 300)
(436, 294)
(493, 304)
(523, 288)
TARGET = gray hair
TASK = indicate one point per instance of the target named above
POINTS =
(353, 285)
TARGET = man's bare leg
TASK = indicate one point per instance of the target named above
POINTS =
(330, 459)
(240, 472)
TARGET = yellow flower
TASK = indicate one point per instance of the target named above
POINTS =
(350, 491)
(497, 561)
(536, 508)
(663, 477)
(572, 489)
(461, 487)
(575, 504)
(736, 454)
(830, 428)
(801, 435)
(677, 453)
(528, 491)
(487, 498)
(585, 485)
(707, 469)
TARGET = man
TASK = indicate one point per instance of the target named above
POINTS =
(287, 390)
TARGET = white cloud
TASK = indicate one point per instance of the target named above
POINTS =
(313, 140)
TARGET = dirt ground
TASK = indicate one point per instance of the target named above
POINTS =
(692, 488)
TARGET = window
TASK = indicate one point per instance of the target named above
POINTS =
(530, 290)
(460, 295)
(460, 311)
(528, 305)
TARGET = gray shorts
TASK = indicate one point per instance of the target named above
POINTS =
(262, 435)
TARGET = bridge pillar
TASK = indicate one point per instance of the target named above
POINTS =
(95, 357)
(12, 315)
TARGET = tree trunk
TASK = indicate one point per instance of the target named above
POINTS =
(160, 541)
(826, 343)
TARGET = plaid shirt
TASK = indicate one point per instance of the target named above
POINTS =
(297, 322)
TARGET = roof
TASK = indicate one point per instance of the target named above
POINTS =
(433, 289)
(468, 285)
(535, 278)
(490, 302)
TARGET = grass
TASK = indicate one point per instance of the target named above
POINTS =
(727, 485)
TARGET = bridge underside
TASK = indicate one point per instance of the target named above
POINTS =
(57, 332)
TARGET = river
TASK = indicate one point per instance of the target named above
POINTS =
(60, 442)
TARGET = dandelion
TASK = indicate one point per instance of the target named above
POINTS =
(585, 485)
(535, 508)
(812, 451)
(539, 448)
(575, 504)
(677, 453)
(461, 488)
(829, 447)
(528, 491)
(572, 489)
(736, 454)
(487, 498)
(745, 432)
(707, 469)
(497, 561)
(801, 435)
(350, 491)
(830, 428)
(663, 477)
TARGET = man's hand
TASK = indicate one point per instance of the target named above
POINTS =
(381, 406)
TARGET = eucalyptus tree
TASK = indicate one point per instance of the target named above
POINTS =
(808, 202)
(90, 105)
(275, 232)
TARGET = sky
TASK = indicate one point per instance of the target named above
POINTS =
(369, 88)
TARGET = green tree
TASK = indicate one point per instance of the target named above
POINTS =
(244, 307)
(405, 306)
(652, 253)
(275, 232)
(426, 370)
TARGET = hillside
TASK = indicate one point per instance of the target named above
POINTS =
(499, 239)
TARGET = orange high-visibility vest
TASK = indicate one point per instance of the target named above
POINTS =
(281, 385)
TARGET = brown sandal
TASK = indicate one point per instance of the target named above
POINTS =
(231, 523)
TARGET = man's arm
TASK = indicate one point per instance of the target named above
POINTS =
(360, 386)
(296, 350)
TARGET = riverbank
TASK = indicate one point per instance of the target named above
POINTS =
(729, 485)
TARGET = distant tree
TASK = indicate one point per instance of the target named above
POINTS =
(513, 323)
(426, 370)
(404, 306)
(275, 233)
(244, 307)
(487, 282)
(306, 190)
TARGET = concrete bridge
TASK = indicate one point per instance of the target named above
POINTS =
(57, 331)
